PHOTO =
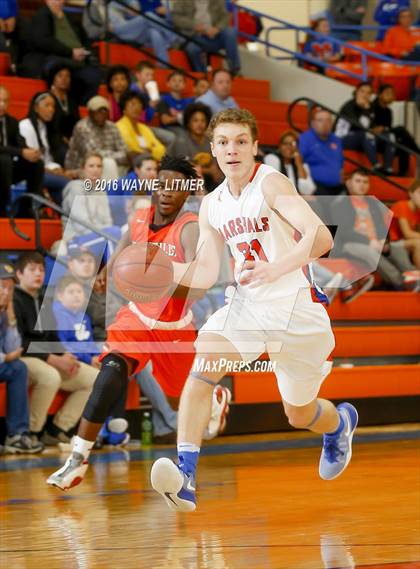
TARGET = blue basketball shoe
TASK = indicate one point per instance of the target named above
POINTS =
(175, 486)
(336, 451)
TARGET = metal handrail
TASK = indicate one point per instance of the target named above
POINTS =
(41, 201)
(315, 104)
(285, 25)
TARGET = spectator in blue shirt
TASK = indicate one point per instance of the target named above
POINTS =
(13, 372)
(173, 104)
(323, 152)
(8, 13)
(73, 325)
(386, 14)
(322, 48)
(218, 97)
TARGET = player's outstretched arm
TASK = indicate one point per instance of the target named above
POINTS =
(203, 271)
(282, 197)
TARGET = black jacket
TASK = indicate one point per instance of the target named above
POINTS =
(42, 34)
(15, 141)
(27, 310)
(358, 117)
(344, 215)
(382, 115)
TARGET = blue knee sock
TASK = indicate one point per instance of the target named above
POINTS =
(188, 457)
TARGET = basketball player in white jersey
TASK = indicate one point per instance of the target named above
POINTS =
(273, 236)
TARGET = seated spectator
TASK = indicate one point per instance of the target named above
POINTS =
(172, 104)
(322, 151)
(383, 124)
(363, 230)
(208, 24)
(194, 144)
(201, 86)
(89, 206)
(386, 14)
(66, 108)
(127, 24)
(40, 131)
(96, 133)
(73, 325)
(405, 228)
(14, 372)
(358, 113)
(348, 13)
(117, 82)
(146, 86)
(289, 162)
(8, 13)
(56, 38)
(218, 97)
(18, 161)
(50, 367)
(138, 137)
(121, 201)
(102, 304)
(401, 41)
(322, 48)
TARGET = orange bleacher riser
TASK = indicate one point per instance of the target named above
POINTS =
(364, 341)
(386, 192)
(18, 109)
(353, 67)
(378, 305)
(357, 382)
(354, 56)
(119, 54)
(51, 231)
(22, 89)
(362, 158)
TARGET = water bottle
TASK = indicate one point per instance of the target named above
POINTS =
(146, 430)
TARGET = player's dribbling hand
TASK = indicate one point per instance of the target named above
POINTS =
(256, 273)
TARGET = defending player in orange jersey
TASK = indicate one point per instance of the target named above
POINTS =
(150, 331)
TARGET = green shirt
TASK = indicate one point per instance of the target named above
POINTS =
(65, 33)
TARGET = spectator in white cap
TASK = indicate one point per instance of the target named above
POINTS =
(96, 133)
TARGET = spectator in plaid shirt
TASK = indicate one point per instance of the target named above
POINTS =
(98, 134)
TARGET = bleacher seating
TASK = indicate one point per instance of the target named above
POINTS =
(384, 320)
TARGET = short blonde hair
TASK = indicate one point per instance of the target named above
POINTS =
(233, 116)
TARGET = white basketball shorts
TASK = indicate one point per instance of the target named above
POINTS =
(294, 330)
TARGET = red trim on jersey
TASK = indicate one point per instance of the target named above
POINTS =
(254, 173)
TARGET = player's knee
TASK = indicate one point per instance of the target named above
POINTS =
(107, 389)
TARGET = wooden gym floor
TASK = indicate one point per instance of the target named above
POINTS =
(261, 506)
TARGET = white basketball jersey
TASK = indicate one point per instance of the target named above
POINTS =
(253, 231)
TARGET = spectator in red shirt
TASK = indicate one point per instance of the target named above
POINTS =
(401, 41)
(405, 228)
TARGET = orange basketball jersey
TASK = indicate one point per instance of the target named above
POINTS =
(168, 238)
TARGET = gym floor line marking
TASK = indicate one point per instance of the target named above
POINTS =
(213, 450)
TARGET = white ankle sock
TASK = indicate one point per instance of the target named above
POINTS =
(187, 447)
(82, 446)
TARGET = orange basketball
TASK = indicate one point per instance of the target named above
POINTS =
(142, 272)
